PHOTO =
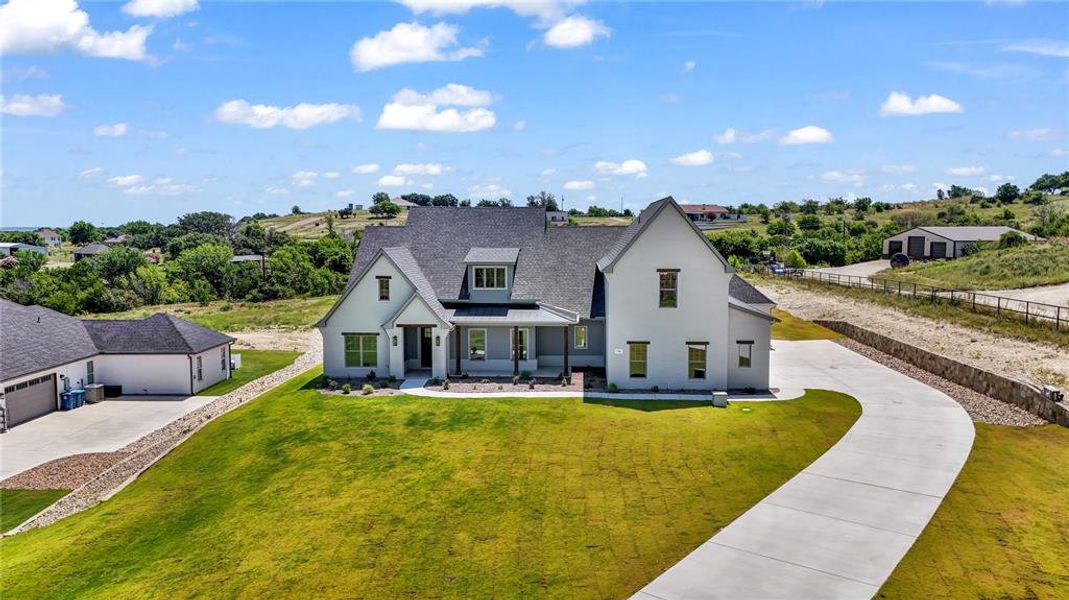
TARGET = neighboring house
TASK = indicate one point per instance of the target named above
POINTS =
(557, 217)
(44, 352)
(90, 250)
(404, 204)
(704, 212)
(9, 248)
(50, 237)
(118, 240)
(242, 258)
(497, 291)
(943, 242)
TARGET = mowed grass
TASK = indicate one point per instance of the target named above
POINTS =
(254, 365)
(1002, 530)
(328, 496)
(1011, 268)
(18, 505)
(294, 313)
(792, 328)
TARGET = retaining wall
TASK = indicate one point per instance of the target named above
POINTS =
(1027, 396)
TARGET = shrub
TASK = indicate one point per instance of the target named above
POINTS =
(656, 388)
(515, 380)
(333, 385)
(391, 378)
(525, 374)
(371, 375)
(367, 389)
(445, 384)
(1011, 239)
(345, 389)
(794, 260)
(564, 382)
(384, 384)
(434, 381)
(612, 388)
(531, 384)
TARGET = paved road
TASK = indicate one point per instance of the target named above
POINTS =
(862, 269)
(104, 427)
(838, 528)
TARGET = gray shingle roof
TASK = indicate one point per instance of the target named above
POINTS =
(408, 266)
(740, 289)
(95, 248)
(492, 255)
(159, 334)
(33, 338)
(973, 233)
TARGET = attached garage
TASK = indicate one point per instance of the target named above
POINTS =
(30, 399)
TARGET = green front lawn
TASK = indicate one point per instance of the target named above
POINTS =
(313, 495)
(791, 327)
(1003, 530)
(254, 365)
(18, 505)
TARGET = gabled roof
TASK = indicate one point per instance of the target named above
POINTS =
(742, 290)
(746, 308)
(492, 255)
(94, 248)
(47, 232)
(702, 208)
(34, 338)
(972, 233)
(159, 334)
(639, 225)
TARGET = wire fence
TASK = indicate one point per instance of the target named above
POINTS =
(1028, 311)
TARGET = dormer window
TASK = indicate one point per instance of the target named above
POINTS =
(491, 278)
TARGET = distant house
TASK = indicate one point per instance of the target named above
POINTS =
(556, 217)
(944, 242)
(50, 237)
(404, 204)
(90, 250)
(9, 248)
(118, 240)
(704, 212)
(250, 258)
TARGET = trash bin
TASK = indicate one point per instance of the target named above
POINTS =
(65, 401)
(78, 398)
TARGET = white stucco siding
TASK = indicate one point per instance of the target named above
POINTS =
(744, 327)
(362, 312)
(144, 374)
(75, 372)
(215, 367)
(633, 312)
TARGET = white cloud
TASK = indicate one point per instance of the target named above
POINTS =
(694, 159)
(732, 135)
(1037, 134)
(46, 26)
(909, 187)
(162, 186)
(550, 172)
(965, 171)
(1042, 47)
(304, 178)
(20, 73)
(628, 167)
(116, 130)
(575, 31)
(898, 169)
(579, 185)
(276, 191)
(160, 9)
(366, 169)
(519, 125)
(1059, 152)
(410, 110)
(856, 178)
(899, 104)
(331, 175)
(409, 43)
(301, 116)
(731, 155)
(427, 185)
(125, 180)
(689, 65)
(545, 10)
(22, 105)
(490, 190)
(344, 193)
(419, 169)
(451, 94)
(394, 181)
(810, 134)
(1000, 178)
(91, 172)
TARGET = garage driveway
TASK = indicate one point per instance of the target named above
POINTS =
(861, 269)
(104, 427)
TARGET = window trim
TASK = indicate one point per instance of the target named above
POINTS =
(526, 331)
(361, 352)
(748, 344)
(661, 290)
(704, 347)
(575, 337)
(504, 278)
(486, 343)
(384, 292)
(645, 359)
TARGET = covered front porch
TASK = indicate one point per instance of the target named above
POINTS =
(483, 349)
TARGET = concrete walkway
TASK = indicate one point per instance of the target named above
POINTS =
(838, 528)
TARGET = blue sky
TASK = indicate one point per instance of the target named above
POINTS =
(148, 109)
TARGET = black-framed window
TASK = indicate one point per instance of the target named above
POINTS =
(638, 355)
(200, 369)
(669, 288)
(580, 337)
(476, 344)
(745, 353)
(384, 288)
(696, 354)
(90, 373)
(491, 278)
(361, 350)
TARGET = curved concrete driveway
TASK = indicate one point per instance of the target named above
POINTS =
(838, 528)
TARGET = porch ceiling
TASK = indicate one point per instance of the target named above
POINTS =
(506, 315)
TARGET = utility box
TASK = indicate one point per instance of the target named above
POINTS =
(235, 362)
(720, 399)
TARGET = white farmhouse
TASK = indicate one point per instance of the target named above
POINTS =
(497, 291)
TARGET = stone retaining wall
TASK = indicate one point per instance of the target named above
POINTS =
(1025, 395)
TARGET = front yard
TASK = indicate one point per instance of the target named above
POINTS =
(316, 495)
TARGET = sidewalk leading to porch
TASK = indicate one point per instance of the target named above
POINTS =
(416, 387)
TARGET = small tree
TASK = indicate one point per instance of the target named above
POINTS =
(1011, 239)
(83, 232)
(295, 210)
(380, 197)
(1007, 193)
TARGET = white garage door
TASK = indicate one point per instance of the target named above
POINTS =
(30, 399)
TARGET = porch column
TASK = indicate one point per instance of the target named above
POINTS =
(515, 350)
(564, 330)
(439, 356)
(456, 340)
(396, 351)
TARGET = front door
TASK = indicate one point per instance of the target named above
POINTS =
(425, 347)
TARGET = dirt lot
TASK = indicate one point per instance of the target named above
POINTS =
(275, 339)
(1038, 363)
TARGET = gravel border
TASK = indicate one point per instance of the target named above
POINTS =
(981, 408)
(65, 473)
(143, 453)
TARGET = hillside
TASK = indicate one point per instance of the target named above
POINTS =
(1011, 268)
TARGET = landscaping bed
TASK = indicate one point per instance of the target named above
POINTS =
(475, 384)
(359, 386)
